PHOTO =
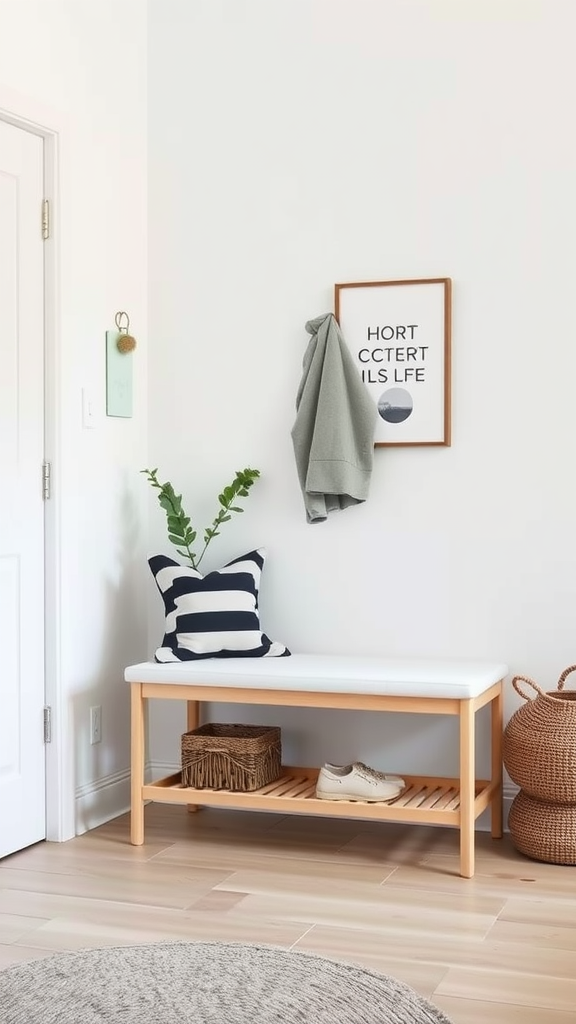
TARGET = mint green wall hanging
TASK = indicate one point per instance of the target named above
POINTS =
(120, 347)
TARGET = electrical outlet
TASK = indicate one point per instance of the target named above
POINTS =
(96, 724)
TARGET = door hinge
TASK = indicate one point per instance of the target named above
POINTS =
(46, 480)
(47, 724)
(45, 219)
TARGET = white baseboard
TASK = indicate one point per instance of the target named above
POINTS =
(100, 801)
(510, 792)
(107, 798)
(160, 769)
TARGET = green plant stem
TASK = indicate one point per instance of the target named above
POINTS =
(180, 532)
(217, 522)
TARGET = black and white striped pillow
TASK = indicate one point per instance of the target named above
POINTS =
(213, 616)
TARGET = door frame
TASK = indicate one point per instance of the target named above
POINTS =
(31, 116)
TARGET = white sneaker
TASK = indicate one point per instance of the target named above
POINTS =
(357, 782)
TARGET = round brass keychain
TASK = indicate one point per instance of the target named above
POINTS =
(126, 342)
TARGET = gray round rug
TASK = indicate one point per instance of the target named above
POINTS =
(204, 983)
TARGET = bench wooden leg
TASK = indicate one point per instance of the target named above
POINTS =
(497, 722)
(137, 726)
(192, 722)
(467, 787)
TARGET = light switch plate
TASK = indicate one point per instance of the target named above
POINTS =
(118, 378)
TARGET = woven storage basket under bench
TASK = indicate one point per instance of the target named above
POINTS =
(421, 686)
(240, 758)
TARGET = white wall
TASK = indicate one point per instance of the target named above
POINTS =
(297, 144)
(79, 68)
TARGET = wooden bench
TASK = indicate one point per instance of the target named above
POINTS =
(430, 687)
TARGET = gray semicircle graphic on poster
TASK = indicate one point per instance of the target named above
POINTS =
(395, 405)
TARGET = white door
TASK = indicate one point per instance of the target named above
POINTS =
(22, 755)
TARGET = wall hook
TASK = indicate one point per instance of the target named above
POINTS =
(126, 341)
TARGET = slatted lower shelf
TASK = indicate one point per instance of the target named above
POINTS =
(426, 799)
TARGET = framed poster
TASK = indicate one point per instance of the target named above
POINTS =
(399, 335)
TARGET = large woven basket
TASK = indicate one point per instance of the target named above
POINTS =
(542, 830)
(539, 746)
(236, 757)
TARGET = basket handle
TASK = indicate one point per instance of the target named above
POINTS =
(524, 679)
(565, 675)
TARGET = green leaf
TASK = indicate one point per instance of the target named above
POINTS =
(236, 508)
(174, 539)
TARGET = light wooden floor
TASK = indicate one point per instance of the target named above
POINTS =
(500, 947)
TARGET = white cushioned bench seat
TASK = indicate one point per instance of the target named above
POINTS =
(331, 673)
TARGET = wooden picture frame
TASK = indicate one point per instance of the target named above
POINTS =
(399, 333)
